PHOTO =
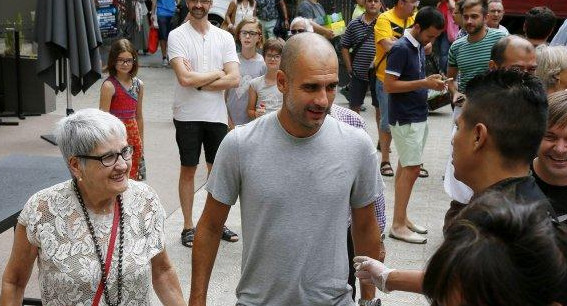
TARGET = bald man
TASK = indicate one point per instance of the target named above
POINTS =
(297, 177)
(513, 52)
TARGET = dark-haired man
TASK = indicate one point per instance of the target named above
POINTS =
(539, 24)
(407, 85)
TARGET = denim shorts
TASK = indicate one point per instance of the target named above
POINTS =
(382, 98)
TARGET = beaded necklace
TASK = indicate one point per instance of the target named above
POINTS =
(99, 249)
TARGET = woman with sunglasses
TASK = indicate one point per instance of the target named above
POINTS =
(300, 25)
(99, 237)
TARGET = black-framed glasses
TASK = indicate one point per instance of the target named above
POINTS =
(251, 33)
(293, 32)
(125, 61)
(108, 160)
(276, 57)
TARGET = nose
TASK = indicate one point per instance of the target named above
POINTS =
(121, 163)
(321, 99)
(561, 146)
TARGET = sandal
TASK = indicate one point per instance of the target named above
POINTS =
(423, 172)
(228, 235)
(187, 237)
(386, 169)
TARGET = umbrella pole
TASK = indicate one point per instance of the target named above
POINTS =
(69, 95)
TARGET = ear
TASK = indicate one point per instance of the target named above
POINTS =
(282, 81)
(492, 65)
(480, 134)
(75, 166)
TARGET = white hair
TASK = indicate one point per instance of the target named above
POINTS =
(550, 62)
(81, 132)
(306, 22)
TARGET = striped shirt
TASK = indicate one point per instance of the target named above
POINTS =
(471, 59)
(356, 32)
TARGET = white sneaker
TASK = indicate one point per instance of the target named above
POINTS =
(164, 62)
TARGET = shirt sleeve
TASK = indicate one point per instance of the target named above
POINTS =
(397, 59)
(225, 180)
(347, 37)
(175, 46)
(365, 189)
(382, 30)
(230, 54)
(452, 57)
(29, 218)
(155, 224)
(304, 10)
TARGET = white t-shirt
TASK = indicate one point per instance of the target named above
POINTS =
(206, 53)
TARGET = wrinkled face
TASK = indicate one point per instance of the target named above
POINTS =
(124, 62)
(462, 149)
(249, 35)
(298, 27)
(428, 35)
(520, 59)
(273, 59)
(372, 6)
(473, 19)
(308, 91)
(495, 14)
(106, 181)
(552, 153)
(199, 9)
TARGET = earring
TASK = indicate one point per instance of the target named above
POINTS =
(80, 179)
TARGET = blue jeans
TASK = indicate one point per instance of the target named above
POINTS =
(382, 98)
(443, 45)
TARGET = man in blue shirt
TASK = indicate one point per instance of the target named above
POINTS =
(407, 85)
(163, 11)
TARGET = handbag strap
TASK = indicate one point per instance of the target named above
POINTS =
(366, 35)
(108, 260)
(386, 53)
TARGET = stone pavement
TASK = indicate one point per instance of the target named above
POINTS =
(427, 205)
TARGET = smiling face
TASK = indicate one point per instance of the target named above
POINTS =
(199, 9)
(124, 62)
(99, 181)
(308, 91)
(552, 155)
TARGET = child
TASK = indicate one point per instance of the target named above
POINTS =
(249, 35)
(265, 96)
(121, 94)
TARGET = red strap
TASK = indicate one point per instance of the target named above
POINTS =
(108, 260)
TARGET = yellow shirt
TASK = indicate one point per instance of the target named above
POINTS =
(388, 25)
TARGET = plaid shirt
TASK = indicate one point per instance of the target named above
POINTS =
(352, 118)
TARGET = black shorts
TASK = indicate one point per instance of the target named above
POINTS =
(357, 91)
(191, 134)
(164, 27)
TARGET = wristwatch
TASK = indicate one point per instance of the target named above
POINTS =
(373, 302)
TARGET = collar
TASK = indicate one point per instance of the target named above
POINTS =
(413, 41)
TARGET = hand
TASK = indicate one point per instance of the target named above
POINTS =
(428, 49)
(221, 74)
(260, 111)
(329, 34)
(458, 99)
(286, 24)
(372, 272)
(435, 82)
(187, 64)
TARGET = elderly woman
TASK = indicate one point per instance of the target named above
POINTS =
(552, 67)
(97, 221)
(300, 25)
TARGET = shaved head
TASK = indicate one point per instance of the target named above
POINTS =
(308, 45)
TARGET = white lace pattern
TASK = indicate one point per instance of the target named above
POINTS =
(69, 271)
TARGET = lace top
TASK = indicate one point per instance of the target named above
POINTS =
(69, 271)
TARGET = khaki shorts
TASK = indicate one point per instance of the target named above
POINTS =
(409, 140)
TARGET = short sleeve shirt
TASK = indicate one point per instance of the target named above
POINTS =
(237, 98)
(406, 60)
(206, 53)
(268, 95)
(360, 33)
(288, 208)
(471, 59)
(388, 25)
(310, 10)
(69, 270)
(166, 8)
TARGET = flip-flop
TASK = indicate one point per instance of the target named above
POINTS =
(411, 238)
(423, 172)
(228, 235)
(386, 169)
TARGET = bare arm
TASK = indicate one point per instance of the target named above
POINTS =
(18, 270)
(452, 73)
(189, 78)
(205, 248)
(405, 280)
(387, 43)
(231, 79)
(321, 30)
(284, 11)
(165, 281)
(252, 99)
(392, 84)
(366, 236)
(139, 113)
(106, 93)
(346, 59)
(229, 16)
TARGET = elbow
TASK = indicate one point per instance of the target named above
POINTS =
(235, 81)
(388, 87)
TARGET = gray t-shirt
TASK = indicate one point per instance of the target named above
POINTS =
(295, 196)
(237, 98)
(268, 95)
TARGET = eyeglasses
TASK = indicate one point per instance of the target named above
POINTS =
(293, 32)
(108, 160)
(205, 2)
(274, 56)
(125, 61)
(251, 33)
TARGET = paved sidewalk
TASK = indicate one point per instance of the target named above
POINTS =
(427, 205)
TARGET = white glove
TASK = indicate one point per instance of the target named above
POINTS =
(372, 272)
